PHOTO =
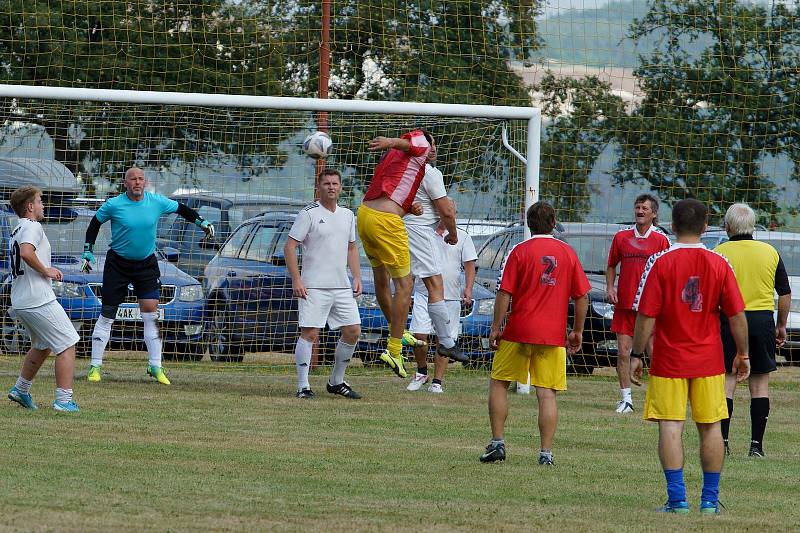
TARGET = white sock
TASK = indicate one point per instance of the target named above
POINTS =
(23, 385)
(441, 322)
(151, 338)
(342, 357)
(302, 360)
(100, 336)
(63, 395)
(626, 395)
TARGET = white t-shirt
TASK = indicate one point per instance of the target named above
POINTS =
(453, 258)
(431, 188)
(325, 236)
(29, 288)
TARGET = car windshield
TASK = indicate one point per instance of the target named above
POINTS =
(241, 212)
(67, 238)
(789, 251)
(592, 250)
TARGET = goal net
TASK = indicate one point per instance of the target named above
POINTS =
(244, 170)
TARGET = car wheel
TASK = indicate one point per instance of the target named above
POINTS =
(578, 364)
(184, 351)
(15, 338)
(220, 346)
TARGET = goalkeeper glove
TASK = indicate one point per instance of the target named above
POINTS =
(88, 257)
(206, 226)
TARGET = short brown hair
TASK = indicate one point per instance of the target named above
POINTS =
(330, 172)
(689, 216)
(541, 218)
(22, 197)
(647, 197)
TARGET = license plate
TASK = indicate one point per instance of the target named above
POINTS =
(134, 313)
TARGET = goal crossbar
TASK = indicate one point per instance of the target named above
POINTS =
(530, 114)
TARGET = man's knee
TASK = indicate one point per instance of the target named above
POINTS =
(404, 284)
(351, 334)
(309, 334)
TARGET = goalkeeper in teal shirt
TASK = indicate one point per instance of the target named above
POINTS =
(131, 260)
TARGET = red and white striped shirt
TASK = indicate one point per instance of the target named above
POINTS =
(399, 174)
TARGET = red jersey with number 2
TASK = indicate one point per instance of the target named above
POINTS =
(541, 274)
(684, 289)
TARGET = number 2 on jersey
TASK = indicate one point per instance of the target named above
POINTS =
(16, 261)
(550, 265)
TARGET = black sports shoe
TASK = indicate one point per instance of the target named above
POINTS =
(343, 389)
(306, 394)
(494, 452)
(453, 353)
(546, 460)
(756, 451)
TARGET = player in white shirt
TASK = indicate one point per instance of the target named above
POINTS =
(456, 259)
(34, 303)
(426, 256)
(327, 233)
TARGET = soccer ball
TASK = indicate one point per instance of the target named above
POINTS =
(318, 145)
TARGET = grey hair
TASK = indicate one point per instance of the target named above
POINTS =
(740, 219)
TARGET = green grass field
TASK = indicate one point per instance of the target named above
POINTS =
(228, 448)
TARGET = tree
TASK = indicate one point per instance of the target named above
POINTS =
(583, 115)
(708, 120)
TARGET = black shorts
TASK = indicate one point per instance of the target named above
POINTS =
(119, 272)
(761, 334)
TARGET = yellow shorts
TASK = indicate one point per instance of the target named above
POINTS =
(546, 364)
(385, 241)
(666, 399)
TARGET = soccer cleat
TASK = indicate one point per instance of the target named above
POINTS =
(409, 339)
(94, 373)
(680, 507)
(494, 452)
(158, 373)
(418, 381)
(624, 407)
(709, 507)
(397, 364)
(22, 398)
(436, 388)
(453, 353)
(546, 460)
(66, 407)
(305, 394)
(343, 389)
(756, 451)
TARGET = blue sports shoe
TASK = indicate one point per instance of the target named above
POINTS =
(680, 507)
(709, 507)
(22, 398)
(66, 407)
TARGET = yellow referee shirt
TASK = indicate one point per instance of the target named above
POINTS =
(759, 271)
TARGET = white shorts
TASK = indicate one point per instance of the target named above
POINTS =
(421, 320)
(49, 327)
(337, 307)
(426, 258)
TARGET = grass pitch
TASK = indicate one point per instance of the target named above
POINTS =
(228, 447)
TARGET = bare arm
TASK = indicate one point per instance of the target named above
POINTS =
(501, 303)
(611, 292)
(741, 364)
(379, 144)
(784, 302)
(447, 213)
(469, 280)
(290, 256)
(28, 253)
(642, 332)
(575, 337)
(355, 267)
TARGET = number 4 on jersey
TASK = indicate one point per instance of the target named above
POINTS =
(691, 294)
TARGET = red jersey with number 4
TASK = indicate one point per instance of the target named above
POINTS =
(684, 289)
(631, 250)
(399, 174)
(541, 274)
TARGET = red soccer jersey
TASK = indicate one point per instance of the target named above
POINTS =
(685, 288)
(630, 251)
(399, 173)
(541, 274)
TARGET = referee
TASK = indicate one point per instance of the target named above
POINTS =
(131, 260)
(760, 273)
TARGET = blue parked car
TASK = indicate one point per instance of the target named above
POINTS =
(181, 308)
(251, 307)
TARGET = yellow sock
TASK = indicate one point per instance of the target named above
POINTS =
(395, 347)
